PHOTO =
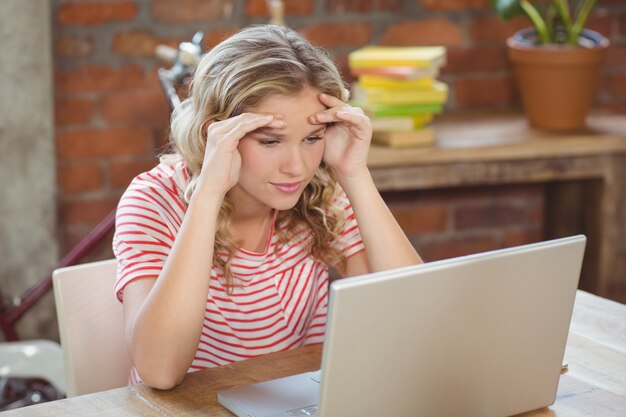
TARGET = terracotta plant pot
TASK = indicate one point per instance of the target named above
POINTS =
(557, 82)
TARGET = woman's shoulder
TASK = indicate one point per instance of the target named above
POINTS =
(164, 174)
(167, 178)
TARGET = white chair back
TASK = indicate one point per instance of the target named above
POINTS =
(91, 327)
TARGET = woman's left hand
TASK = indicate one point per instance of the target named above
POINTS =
(347, 136)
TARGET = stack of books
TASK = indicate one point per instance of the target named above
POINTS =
(397, 87)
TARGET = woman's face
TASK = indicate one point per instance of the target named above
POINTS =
(277, 164)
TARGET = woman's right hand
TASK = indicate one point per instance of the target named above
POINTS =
(222, 161)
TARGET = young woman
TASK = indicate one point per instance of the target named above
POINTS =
(224, 247)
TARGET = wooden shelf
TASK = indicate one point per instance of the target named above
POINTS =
(584, 173)
(492, 137)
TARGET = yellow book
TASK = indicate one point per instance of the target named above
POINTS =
(420, 137)
(398, 56)
(438, 93)
(401, 123)
(377, 81)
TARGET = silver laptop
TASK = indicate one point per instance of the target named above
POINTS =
(480, 335)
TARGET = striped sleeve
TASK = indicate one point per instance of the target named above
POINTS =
(143, 231)
(350, 241)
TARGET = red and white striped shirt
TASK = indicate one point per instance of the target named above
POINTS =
(280, 301)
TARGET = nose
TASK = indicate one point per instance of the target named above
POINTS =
(293, 162)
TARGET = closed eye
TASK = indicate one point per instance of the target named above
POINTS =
(268, 142)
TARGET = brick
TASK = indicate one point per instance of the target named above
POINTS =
(161, 116)
(103, 143)
(477, 59)
(213, 37)
(537, 214)
(69, 110)
(122, 173)
(404, 197)
(258, 8)
(333, 35)
(364, 6)
(437, 31)
(618, 85)
(455, 196)
(601, 22)
(139, 43)
(621, 25)
(452, 5)
(152, 81)
(74, 46)
(87, 212)
(604, 89)
(420, 219)
(80, 177)
(530, 194)
(484, 91)
(618, 108)
(491, 28)
(458, 246)
(522, 192)
(522, 237)
(89, 13)
(93, 78)
(190, 11)
(490, 215)
(615, 56)
(135, 107)
(341, 61)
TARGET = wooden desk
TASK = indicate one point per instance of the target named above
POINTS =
(594, 385)
(584, 173)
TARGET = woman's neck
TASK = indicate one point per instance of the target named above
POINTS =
(250, 231)
(243, 215)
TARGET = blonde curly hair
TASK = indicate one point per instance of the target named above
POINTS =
(236, 74)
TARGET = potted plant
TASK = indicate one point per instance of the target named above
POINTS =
(556, 61)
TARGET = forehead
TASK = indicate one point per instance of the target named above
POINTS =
(294, 107)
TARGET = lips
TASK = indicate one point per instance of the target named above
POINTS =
(287, 187)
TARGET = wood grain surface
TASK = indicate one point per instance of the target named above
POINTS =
(595, 384)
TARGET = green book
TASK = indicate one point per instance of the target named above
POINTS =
(385, 110)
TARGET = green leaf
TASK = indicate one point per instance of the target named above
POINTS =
(507, 9)
(538, 22)
(580, 21)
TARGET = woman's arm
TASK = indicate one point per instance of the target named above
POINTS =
(347, 146)
(386, 245)
(164, 318)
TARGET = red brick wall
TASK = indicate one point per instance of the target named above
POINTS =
(111, 116)
(453, 222)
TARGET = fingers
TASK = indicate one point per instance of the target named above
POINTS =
(359, 124)
(248, 122)
(331, 115)
(330, 101)
(354, 116)
(237, 127)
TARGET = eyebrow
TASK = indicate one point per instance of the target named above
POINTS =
(272, 132)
